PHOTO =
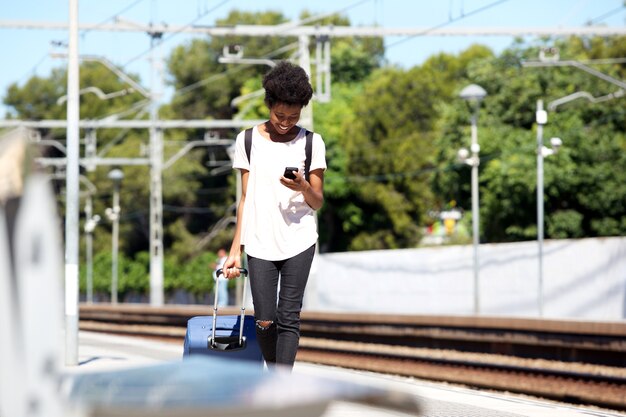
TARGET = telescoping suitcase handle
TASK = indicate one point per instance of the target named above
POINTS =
(244, 272)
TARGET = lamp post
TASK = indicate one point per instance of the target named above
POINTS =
(541, 118)
(542, 151)
(474, 94)
(115, 175)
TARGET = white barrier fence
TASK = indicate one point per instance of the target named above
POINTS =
(582, 279)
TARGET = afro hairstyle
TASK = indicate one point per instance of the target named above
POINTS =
(288, 84)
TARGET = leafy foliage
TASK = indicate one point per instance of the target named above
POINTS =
(194, 276)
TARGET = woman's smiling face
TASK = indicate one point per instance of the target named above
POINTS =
(283, 117)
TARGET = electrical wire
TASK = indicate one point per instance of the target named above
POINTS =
(607, 14)
(124, 10)
(107, 147)
(184, 209)
(33, 70)
(440, 25)
(286, 27)
(171, 35)
(386, 177)
(573, 10)
(230, 71)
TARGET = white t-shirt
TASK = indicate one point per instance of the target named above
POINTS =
(277, 223)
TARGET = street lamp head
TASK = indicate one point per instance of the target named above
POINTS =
(473, 93)
(556, 143)
(462, 155)
(116, 175)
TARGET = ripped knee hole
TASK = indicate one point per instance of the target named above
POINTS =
(264, 324)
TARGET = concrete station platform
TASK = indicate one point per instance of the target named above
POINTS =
(99, 352)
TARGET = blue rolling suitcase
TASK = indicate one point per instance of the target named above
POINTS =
(223, 336)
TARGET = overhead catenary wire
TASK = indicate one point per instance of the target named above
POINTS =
(171, 35)
(385, 177)
(443, 24)
(230, 71)
(573, 10)
(103, 151)
(607, 14)
(124, 10)
(138, 106)
(285, 27)
(33, 70)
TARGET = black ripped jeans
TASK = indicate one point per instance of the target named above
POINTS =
(279, 341)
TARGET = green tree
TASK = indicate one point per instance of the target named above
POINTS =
(583, 194)
(389, 153)
(339, 214)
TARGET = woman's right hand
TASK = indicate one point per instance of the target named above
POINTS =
(231, 267)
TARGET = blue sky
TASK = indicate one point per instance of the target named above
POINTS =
(26, 52)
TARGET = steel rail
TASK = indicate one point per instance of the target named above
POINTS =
(383, 344)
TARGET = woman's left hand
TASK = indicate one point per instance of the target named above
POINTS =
(297, 184)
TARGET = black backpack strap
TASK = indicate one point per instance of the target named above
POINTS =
(248, 142)
(308, 151)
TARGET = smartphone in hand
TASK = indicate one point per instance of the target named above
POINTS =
(289, 173)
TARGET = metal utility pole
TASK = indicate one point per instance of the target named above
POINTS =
(72, 197)
(323, 73)
(156, 180)
(541, 119)
(542, 151)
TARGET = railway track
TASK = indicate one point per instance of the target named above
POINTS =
(575, 362)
